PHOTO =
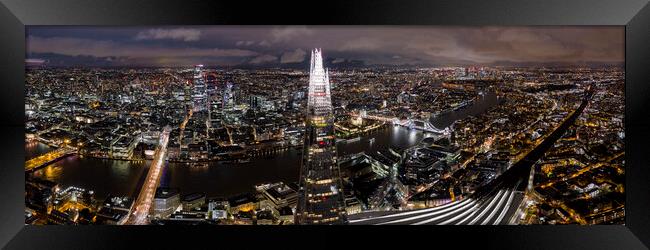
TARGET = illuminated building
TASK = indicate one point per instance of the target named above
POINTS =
(111, 216)
(357, 121)
(193, 201)
(57, 217)
(166, 201)
(279, 195)
(211, 83)
(228, 101)
(199, 95)
(123, 146)
(321, 198)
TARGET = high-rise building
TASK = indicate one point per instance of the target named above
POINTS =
(321, 199)
(211, 84)
(200, 90)
(254, 101)
(228, 97)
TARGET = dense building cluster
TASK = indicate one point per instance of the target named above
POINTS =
(581, 179)
(236, 115)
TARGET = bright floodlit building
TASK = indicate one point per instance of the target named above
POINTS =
(321, 199)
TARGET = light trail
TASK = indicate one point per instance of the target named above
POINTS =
(494, 211)
(428, 214)
(505, 210)
(487, 208)
(405, 213)
(444, 215)
(142, 205)
(460, 212)
(476, 211)
(461, 215)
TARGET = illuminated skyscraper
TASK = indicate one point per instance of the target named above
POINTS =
(200, 91)
(321, 199)
(228, 101)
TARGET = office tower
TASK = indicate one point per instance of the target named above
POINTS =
(211, 84)
(199, 95)
(321, 199)
(228, 97)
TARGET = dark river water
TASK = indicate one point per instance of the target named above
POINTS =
(34, 149)
(223, 179)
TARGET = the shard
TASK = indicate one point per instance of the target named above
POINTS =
(321, 199)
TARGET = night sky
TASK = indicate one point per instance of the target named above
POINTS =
(288, 46)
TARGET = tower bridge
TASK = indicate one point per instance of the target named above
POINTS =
(424, 126)
(410, 123)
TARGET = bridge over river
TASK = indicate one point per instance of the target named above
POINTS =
(48, 158)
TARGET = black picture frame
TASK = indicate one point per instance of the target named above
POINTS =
(633, 14)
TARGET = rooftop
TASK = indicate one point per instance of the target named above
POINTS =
(164, 193)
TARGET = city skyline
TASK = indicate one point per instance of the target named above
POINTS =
(202, 144)
(355, 46)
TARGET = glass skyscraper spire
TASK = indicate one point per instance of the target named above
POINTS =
(321, 199)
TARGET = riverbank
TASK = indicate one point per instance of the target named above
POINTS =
(478, 105)
(221, 179)
(353, 137)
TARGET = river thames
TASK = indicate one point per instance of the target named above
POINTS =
(221, 179)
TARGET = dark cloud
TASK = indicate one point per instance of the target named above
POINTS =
(263, 59)
(186, 35)
(296, 56)
(392, 45)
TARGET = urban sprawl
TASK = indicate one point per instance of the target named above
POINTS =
(551, 151)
